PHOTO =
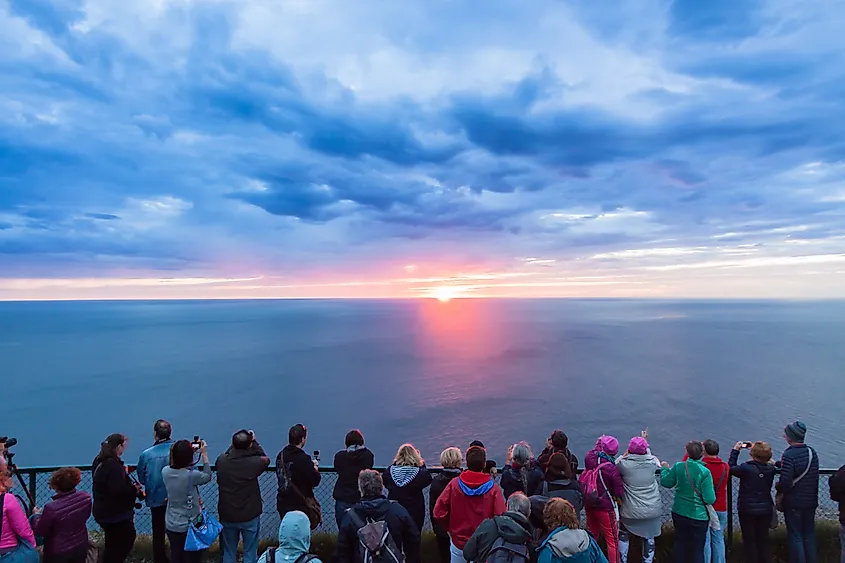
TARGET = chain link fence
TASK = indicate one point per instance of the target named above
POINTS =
(37, 480)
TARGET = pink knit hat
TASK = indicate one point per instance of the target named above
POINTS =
(638, 446)
(609, 445)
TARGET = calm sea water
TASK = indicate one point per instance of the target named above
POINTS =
(435, 374)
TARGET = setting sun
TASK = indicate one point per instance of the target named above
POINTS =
(444, 294)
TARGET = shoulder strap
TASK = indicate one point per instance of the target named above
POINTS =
(606, 490)
(271, 555)
(694, 488)
(291, 484)
(356, 518)
(305, 558)
(806, 469)
(545, 488)
(726, 471)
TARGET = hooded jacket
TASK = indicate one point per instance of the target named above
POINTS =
(438, 485)
(511, 481)
(467, 502)
(610, 474)
(804, 494)
(294, 539)
(62, 524)
(568, 489)
(402, 529)
(405, 485)
(349, 463)
(114, 492)
(302, 474)
(571, 546)
(512, 527)
(548, 452)
(755, 485)
(237, 478)
(642, 493)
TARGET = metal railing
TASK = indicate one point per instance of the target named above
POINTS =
(38, 483)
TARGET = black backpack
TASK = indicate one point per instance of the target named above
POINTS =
(507, 552)
(304, 558)
(377, 545)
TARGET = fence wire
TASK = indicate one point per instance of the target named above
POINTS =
(37, 480)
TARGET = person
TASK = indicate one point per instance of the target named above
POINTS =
(559, 482)
(406, 479)
(756, 508)
(558, 442)
(63, 522)
(837, 493)
(522, 474)
(182, 483)
(15, 526)
(566, 542)
(114, 499)
(150, 464)
(348, 463)
(450, 460)
(296, 472)
(239, 501)
(294, 541)
(798, 487)
(601, 516)
(490, 466)
(694, 490)
(403, 532)
(511, 527)
(467, 501)
(714, 547)
(641, 513)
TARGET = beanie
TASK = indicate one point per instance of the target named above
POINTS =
(638, 446)
(609, 445)
(796, 431)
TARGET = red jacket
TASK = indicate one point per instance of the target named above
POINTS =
(721, 472)
(466, 502)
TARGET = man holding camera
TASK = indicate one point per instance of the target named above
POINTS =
(150, 464)
(240, 504)
(297, 475)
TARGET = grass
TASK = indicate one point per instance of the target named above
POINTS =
(323, 546)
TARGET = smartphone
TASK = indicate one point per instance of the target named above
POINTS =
(748, 445)
(317, 455)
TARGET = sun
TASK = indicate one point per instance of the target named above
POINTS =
(444, 294)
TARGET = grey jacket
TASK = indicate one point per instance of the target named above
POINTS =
(181, 483)
(642, 492)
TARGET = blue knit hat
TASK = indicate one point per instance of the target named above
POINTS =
(796, 431)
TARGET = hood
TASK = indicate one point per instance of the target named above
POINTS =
(374, 508)
(294, 536)
(357, 455)
(566, 543)
(475, 484)
(564, 482)
(514, 527)
(402, 475)
(637, 459)
(591, 460)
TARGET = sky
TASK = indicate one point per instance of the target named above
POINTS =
(315, 148)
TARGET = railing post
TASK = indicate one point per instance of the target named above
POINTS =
(32, 491)
(730, 538)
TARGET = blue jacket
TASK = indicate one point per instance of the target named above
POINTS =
(570, 546)
(755, 485)
(805, 494)
(150, 464)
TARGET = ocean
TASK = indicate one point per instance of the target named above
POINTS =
(421, 371)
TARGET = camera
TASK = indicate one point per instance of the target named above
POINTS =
(196, 444)
(747, 445)
(8, 442)
(317, 455)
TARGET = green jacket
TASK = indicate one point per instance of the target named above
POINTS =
(687, 502)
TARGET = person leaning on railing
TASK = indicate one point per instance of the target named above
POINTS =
(756, 508)
(183, 497)
(348, 463)
(63, 522)
(114, 499)
(406, 479)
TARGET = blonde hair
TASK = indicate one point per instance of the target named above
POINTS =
(559, 512)
(5, 481)
(408, 455)
(761, 451)
(451, 458)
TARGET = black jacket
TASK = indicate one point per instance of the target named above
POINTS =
(567, 489)
(438, 485)
(237, 478)
(512, 480)
(409, 493)
(114, 492)
(837, 491)
(755, 485)
(302, 474)
(402, 529)
(805, 494)
(348, 465)
(547, 454)
(512, 527)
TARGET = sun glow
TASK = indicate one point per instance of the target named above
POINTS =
(445, 293)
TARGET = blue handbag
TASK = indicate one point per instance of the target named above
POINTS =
(23, 552)
(203, 532)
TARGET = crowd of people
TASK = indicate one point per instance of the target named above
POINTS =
(533, 513)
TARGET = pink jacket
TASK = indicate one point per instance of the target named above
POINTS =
(15, 524)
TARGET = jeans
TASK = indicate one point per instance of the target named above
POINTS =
(177, 549)
(603, 523)
(120, 537)
(842, 540)
(714, 547)
(801, 534)
(443, 547)
(340, 509)
(159, 534)
(690, 537)
(457, 555)
(756, 545)
(625, 542)
(231, 535)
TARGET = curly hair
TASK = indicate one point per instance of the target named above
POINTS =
(559, 512)
(5, 480)
(65, 479)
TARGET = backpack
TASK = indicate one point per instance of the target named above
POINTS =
(377, 545)
(590, 480)
(507, 552)
(304, 558)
